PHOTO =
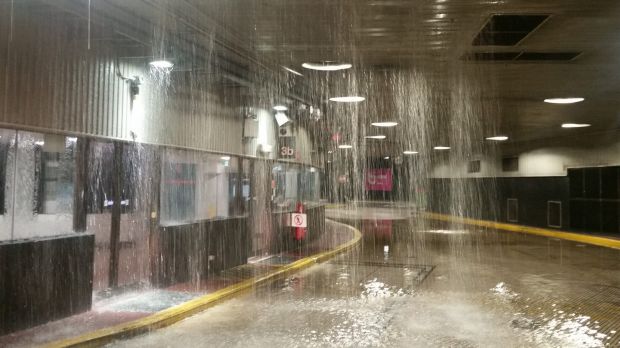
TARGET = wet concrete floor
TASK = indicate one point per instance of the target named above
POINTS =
(415, 283)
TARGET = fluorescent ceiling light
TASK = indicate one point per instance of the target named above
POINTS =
(345, 146)
(327, 66)
(292, 71)
(348, 99)
(375, 137)
(410, 152)
(564, 100)
(498, 138)
(575, 125)
(161, 64)
(280, 108)
(442, 148)
(225, 158)
(282, 119)
(384, 124)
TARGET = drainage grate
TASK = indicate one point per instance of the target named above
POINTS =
(418, 272)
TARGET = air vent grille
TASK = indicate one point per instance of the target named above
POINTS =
(507, 29)
(491, 56)
(548, 56)
(521, 56)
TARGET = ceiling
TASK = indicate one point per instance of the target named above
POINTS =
(407, 58)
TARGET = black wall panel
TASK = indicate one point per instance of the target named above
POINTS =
(486, 198)
(183, 251)
(44, 280)
(595, 199)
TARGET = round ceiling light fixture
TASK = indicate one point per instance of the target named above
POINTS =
(326, 66)
(564, 100)
(344, 146)
(498, 138)
(575, 125)
(379, 137)
(348, 99)
(409, 152)
(161, 64)
(385, 124)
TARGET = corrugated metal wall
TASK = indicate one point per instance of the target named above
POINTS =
(51, 81)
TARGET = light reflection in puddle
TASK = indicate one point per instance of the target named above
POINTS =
(442, 231)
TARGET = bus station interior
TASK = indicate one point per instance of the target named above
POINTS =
(153, 152)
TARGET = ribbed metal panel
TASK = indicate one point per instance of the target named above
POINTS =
(51, 81)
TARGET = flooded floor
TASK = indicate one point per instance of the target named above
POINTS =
(418, 284)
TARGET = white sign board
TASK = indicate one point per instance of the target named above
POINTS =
(298, 220)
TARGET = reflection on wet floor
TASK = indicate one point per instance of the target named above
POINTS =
(425, 285)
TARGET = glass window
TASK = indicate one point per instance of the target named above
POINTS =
(7, 162)
(310, 185)
(54, 175)
(198, 186)
(285, 186)
(44, 183)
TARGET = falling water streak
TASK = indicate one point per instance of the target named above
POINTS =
(14, 186)
(89, 24)
(11, 23)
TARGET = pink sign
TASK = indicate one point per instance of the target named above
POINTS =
(378, 179)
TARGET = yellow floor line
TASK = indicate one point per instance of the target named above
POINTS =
(575, 237)
(174, 314)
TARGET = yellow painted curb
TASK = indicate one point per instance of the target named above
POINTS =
(575, 237)
(174, 314)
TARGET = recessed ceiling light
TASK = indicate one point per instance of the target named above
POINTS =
(345, 146)
(409, 152)
(442, 148)
(575, 125)
(327, 66)
(161, 64)
(348, 99)
(292, 71)
(498, 138)
(280, 108)
(225, 158)
(375, 137)
(384, 124)
(564, 100)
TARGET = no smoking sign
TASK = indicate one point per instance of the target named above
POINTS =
(299, 220)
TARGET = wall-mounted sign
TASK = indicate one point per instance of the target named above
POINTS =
(287, 148)
(298, 220)
(378, 179)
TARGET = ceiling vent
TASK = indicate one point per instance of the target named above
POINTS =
(508, 29)
(548, 56)
(521, 56)
(491, 56)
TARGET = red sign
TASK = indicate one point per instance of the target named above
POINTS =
(378, 179)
